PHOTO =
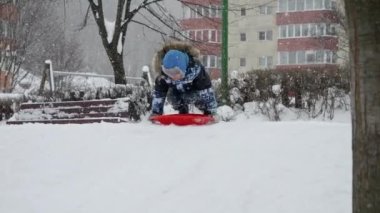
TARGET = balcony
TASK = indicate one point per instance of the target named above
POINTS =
(9, 12)
(308, 43)
(300, 17)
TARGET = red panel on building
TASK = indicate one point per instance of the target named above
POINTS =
(7, 42)
(214, 73)
(301, 17)
(201, 2)
(9, 12)
(208, 48)
(294, 44)
(196, 23)
(4, 81)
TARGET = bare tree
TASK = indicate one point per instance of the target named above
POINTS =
(364, 35)
(113, 34)
(39, 35)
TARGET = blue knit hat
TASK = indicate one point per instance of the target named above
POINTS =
(176, 58)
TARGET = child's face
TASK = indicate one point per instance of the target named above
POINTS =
(174, 73)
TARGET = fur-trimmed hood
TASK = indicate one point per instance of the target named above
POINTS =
(177, 45)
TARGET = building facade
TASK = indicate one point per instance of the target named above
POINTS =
(252, 35)
(307, 35)
(9, 16)
(281, 34)
(201, 24)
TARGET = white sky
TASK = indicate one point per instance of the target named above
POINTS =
(140, 47)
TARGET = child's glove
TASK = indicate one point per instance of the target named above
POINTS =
(214, 115)
(152, 115)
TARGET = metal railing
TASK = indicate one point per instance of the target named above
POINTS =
(55, 73)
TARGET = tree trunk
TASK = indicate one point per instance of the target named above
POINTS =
(364, 34)
(117, 65)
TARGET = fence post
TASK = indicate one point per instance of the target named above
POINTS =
(146, 75)
(43, 79)
(48, 64)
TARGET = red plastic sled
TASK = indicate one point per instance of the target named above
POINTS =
(183, 119)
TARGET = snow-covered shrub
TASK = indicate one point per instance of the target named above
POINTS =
(226, 113)
(316, 93)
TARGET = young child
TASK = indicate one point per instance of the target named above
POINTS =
(180, 71)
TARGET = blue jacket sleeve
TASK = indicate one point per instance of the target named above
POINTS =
(159, 95)
(207, 97)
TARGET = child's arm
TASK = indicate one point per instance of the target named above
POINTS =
(159, 95)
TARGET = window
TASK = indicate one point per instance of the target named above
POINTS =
(310, 57)
(205, 60)
(283, 31)
(321, 29)
(213, 36)
(328, 55)
(330, 29)
(242, 62)
(265, 61)
(192, 34)
(213, 11)
(300, 5)
(199, 35)
(282, 5)
(300, 57)
(269, 61)
(243, 37)
(265, 35)
(334, 58)
(206, 11)
(306, 57)
(305, 30)
(205, 35)
(328, 4)
(243, 12)
(261, 35)
(318, 4)
(2, 30)
(291, 5)
(193, 12)
(262, 61)
(319, 56)
(313, 30)
(283, 58)
(199, 11)
(292, 57)
(265, 10)
(297, 30)
(213, 61)
(309, 4)
(291, 31)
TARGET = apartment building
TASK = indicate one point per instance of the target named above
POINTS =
(307, 35)
(9, 15)
(265, 34)
(283, 34)
(252, 35)
(201, 24)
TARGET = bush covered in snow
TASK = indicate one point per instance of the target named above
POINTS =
(313, 93)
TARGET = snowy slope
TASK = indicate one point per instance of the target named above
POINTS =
(240, 166)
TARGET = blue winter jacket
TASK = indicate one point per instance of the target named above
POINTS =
(195, 86)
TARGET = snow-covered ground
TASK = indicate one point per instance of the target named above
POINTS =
(240, 166)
